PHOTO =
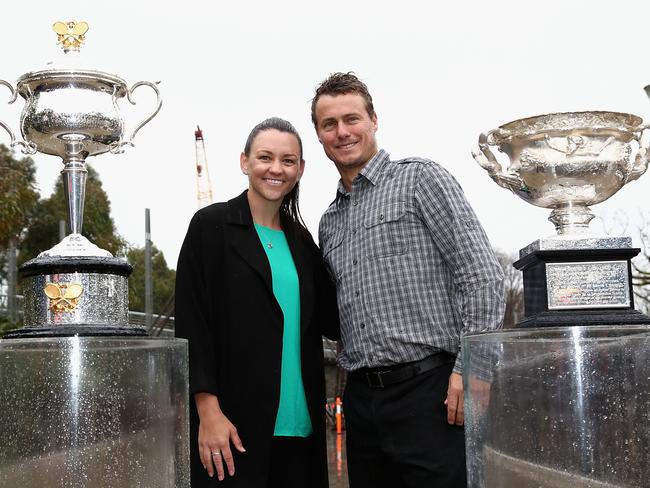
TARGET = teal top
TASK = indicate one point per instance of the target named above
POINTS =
(293, 417)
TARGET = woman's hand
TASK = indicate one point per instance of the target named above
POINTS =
(216, 433)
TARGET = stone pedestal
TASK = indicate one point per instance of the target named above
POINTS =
(82, 412)
(557, 407)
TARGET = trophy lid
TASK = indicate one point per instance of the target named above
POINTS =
(69, 66)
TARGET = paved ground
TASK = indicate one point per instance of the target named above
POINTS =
(338, 468)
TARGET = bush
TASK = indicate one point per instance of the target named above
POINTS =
(6, 325)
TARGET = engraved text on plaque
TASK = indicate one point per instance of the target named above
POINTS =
(602, 284)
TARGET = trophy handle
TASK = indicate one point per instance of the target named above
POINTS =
(641, 159)
(117, 147)
(488, 161)
(25, 147)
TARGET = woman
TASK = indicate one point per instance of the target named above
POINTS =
(253, 299)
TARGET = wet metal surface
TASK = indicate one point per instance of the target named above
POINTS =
(82, 412)
(563, 407)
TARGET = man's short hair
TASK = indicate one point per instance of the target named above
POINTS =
(342, 84)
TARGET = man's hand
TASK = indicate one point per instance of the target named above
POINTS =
(454, 401)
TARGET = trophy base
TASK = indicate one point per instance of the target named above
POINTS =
(584, 318)
(74, 246)
(76, 330)
(571, 242)
(50, 265)
(75, 295)
(577, 287)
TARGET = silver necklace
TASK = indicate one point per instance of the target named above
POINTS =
(269, 242)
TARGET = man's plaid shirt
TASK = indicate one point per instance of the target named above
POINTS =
(414, 269)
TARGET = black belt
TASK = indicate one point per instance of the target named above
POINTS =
(389, 375)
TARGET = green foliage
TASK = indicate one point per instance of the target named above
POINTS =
(163, 279)
(98, 225)
(18, 195)
(22, 214)
(6, 325)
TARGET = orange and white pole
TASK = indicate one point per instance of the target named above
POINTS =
(339, 415)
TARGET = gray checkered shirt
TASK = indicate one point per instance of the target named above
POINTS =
(413, 267)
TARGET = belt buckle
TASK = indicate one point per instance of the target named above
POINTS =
(377, 375)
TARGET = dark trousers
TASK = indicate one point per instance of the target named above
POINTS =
(398, 436)
(294, 463)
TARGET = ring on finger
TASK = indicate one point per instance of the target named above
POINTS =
(216, 453)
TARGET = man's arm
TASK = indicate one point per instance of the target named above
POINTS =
(476, 273)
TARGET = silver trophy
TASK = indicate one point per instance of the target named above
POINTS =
(80, 408)
(567, 162)
(74, 113)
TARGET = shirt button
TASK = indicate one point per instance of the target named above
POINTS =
(381, 217)
(355, 202)
(356, 293)
(363, 326)
(354, 232)
(354, 262)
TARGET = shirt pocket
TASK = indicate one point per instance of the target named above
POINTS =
(386, 231)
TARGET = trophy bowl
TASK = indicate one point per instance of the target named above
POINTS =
(74, 112)
(566, 161)
(63, 106)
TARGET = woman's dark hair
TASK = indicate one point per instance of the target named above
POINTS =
(289, 207)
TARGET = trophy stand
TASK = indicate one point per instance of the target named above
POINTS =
(567, 162)
(72, 112)
(555, 401)
(576, 287)
(87, 399)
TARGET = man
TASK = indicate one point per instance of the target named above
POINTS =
(414, 271)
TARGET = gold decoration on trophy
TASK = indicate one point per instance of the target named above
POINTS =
(70, 35)
(64, 297)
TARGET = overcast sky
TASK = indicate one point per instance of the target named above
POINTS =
(439, 72)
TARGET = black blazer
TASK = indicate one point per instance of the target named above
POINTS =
(226, 309)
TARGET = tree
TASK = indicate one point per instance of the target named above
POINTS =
(98, 225)
(514, 290)
(641, 270)
(163, 279)
(18, 195)
(621, 223)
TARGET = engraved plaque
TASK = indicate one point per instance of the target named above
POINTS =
(602, 284)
